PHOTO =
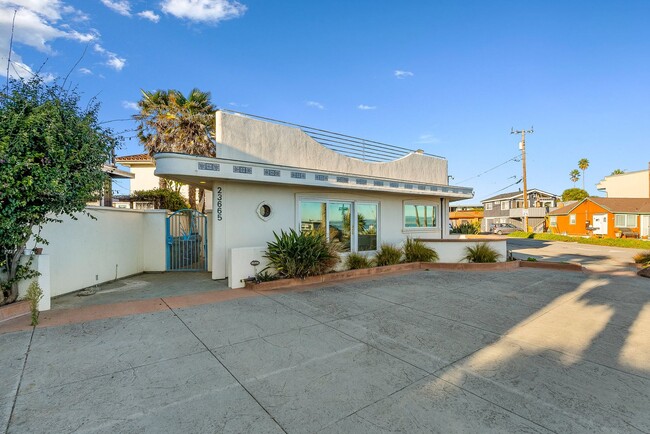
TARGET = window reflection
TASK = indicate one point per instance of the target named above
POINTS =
(419, 216)
(339, 223)
(313, 216)
(367, 227)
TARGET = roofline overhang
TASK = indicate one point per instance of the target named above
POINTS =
(114, 172)
(202, 171)
(517, 194)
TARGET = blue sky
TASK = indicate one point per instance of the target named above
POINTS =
(449, 77)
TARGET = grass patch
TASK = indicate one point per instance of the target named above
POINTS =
(612, 242)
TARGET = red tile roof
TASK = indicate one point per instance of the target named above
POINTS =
(136, 157)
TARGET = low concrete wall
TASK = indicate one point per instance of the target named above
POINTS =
(450, 251)
(239, 264)
(40, 263)
(118, 243)
(453, 249)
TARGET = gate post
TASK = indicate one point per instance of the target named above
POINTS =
(219, 252)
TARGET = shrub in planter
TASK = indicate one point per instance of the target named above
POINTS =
(466, 228)
(355, 261)
(295, 254)
(642, 258)
(416, 251)
(481, 252)
(388, 255)
(265, 276)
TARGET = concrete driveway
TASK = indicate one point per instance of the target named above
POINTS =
(595, 258)
(520, 351)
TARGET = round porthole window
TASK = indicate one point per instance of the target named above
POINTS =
(264, 211)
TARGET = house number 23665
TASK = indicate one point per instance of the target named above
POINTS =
(219, 204)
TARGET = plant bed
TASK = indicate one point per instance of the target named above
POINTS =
(412, 266)
(332, 277)
(14, 310)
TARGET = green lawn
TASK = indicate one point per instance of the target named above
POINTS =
(613, 242)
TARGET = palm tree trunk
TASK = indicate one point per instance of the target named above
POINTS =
(191, 192)
(202, 200)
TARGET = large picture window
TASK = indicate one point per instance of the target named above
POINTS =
(353, 225)
(625, 220)
(420, 215)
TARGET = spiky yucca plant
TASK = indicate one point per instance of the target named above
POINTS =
(388, 255)
(481, 252)
(416, 251)
(295, 254)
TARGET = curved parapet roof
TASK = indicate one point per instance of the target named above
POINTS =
(247, 139)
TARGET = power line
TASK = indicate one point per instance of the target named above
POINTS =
(515, 158)
(507, 186)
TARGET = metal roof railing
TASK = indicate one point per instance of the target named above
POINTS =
(350, 146)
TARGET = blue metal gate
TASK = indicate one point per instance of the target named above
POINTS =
(187, 241)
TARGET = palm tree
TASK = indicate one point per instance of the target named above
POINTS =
(574, 175)
(617, 172)
(583, 164)
(172, 122)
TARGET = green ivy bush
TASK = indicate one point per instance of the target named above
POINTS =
(294, 254)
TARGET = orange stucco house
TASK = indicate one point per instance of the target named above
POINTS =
(603, 216)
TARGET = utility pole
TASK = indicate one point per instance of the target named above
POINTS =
(522, 146)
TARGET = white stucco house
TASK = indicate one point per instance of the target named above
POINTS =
(141, 168)
(626, 185)
(270, 176)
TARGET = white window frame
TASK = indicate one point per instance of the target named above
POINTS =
(505, 205)
(436, 207)
(630, 220)
(488, 206)
(553, 221)
(572, 219)
(354, 230)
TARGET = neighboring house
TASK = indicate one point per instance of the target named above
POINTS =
(630, 184)
(509, 208)
(603, 216)
(461, 214)
(270, 176)
(142, 166)
(106, 196)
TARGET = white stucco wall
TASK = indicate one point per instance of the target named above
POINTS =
(144, 178)
(633, 184)
(241, 227)
(246, 139)
(119, 243)
(452, 252)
